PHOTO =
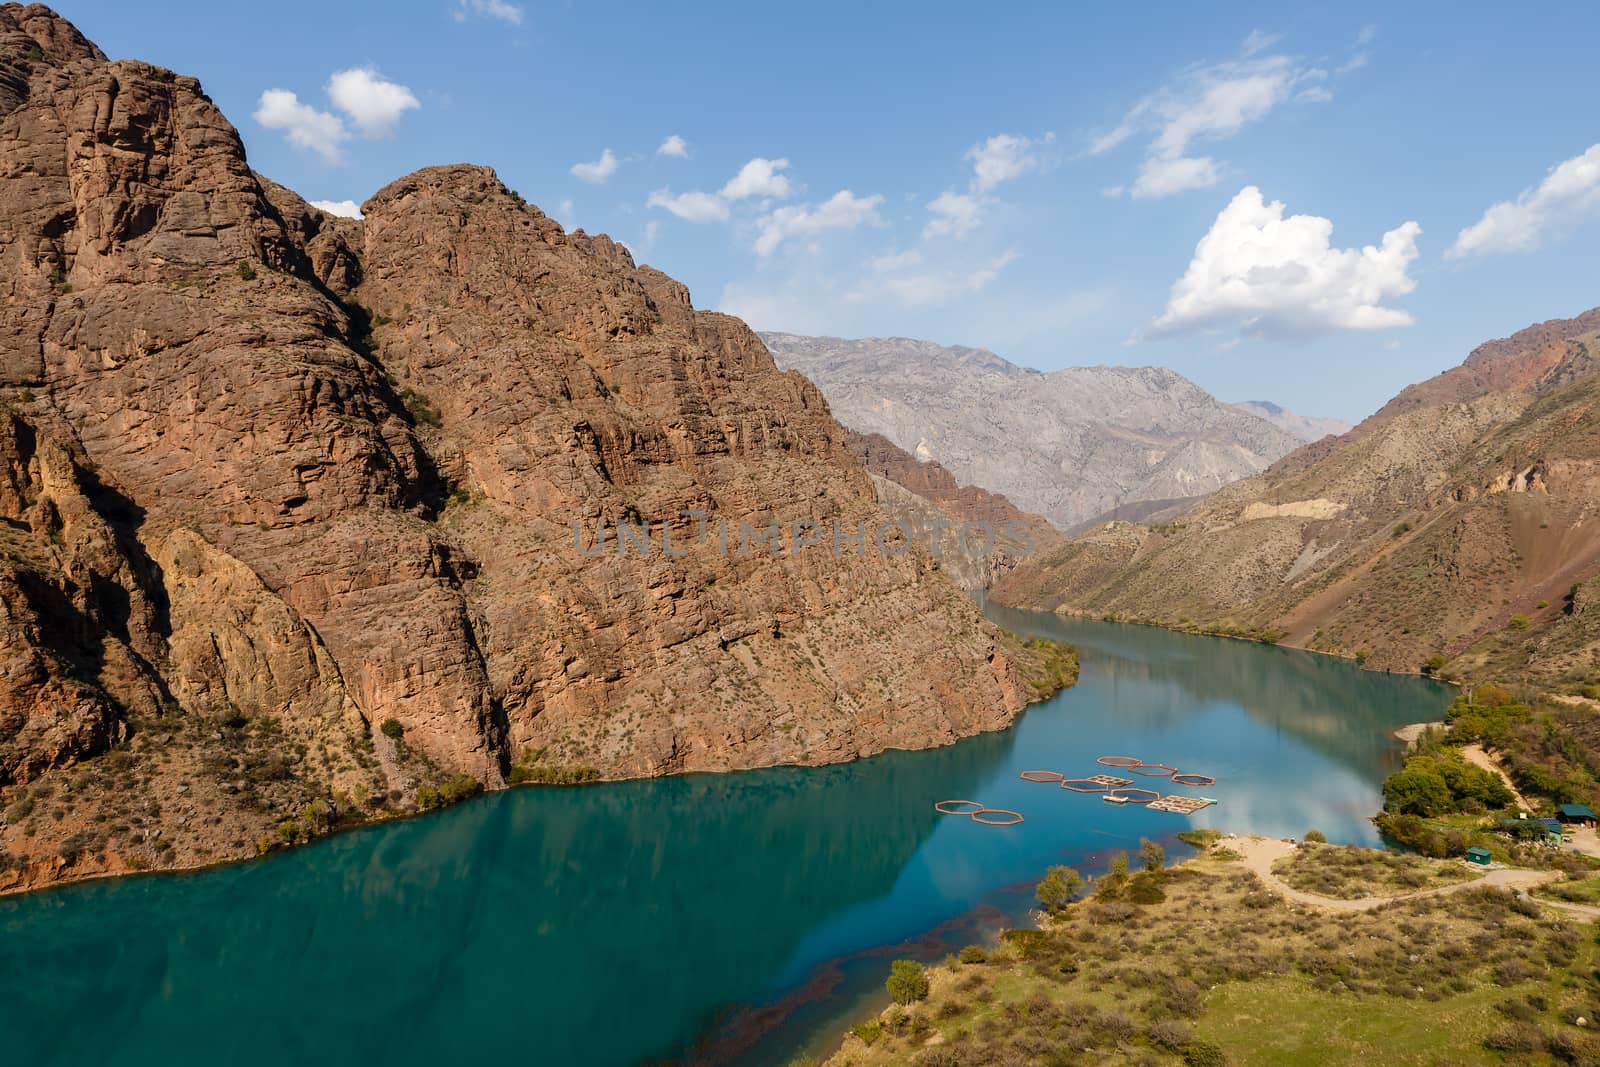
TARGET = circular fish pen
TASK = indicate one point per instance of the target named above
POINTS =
(1135, 796)
(1119, 761)
(1042, 776)
(1153, 770)
(1194, 779)
(941, 809)
(1009, 818)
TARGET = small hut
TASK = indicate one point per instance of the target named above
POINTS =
(1576, 815)
(1480, 856)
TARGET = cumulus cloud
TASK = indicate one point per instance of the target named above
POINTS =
(1569, 194)
(1207, 104)
(894, 261)
(494, 9)
(759, 177)
(305, 127)
(674, 146)
(1003, 157)
(1277, 276)
(694, 207)
(373, 103)
(843, 211)
(597, 172)
(345, 208)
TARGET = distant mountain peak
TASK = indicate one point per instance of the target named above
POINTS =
(1068, 444)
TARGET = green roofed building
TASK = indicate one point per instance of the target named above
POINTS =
(1576, 813)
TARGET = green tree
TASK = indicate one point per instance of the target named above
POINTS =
(1316, 837)
(908, 981)
(1059, 886)
(392, 729)
(1152, 855)
(1416, 791)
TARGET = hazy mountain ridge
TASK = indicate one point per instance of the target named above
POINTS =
(1067, 444)
(1304, 427)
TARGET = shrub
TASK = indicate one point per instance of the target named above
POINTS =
(1059, 885)
(1316, 837)
(1152, 855)
(869, 1032)
(1518, 622)
(1169, 1034)
(974, 954)
(246, 271)
(392, 729)
(908, 981)
(1204, 1054)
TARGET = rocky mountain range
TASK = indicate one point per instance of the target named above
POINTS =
(1069, 444)
(1303, 427)
(300, 513)
(1457, 530)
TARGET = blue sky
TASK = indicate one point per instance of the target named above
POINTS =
(1031, 179)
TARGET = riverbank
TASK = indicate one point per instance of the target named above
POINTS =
(1220, 960)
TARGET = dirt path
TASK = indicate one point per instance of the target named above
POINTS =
(1261, 852)
(1476, 756)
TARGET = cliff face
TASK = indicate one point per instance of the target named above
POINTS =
(1462, 521)
(939, 509)
(272, 479)
(1068, 445)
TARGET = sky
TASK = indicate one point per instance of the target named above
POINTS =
(1311, 204)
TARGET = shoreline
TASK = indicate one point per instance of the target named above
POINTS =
(21, 890)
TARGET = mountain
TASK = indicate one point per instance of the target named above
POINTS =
(943, 511)
(1302, 427)
(1458, 525)
(1068, 444)
(298, 512)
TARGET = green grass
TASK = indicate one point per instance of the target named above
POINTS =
(1581, 891)
(1287, 1022)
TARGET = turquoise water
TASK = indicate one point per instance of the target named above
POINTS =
(704, 918)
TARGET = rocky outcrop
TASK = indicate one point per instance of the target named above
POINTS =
(1069, 445)
(1455, 529)
(277, 480)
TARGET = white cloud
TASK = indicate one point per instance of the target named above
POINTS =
(1277, 276)
(1368, 34)
(843, 211)
(304, 125)
(937, 287)
(759, 177)
(495, 9)
(597, 172)
(695, 207)
(895, 261)
(371, 102)
(1003, 157)
(1258, 41)
(1569, 194)
(348, 209)
(954, 215)
(674, 146)
(1161, 176)
(1207, 104)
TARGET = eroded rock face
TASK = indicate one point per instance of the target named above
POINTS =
(272, 479)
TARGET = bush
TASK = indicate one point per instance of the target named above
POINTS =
(1316, 837)
(908, 981)
(1060, 885)
(1152, 855)
(1204, 1054)
(452, 791)
(392, 729)
(974, 954)
(869, 1032)
(1518, 622)
(246, 271)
